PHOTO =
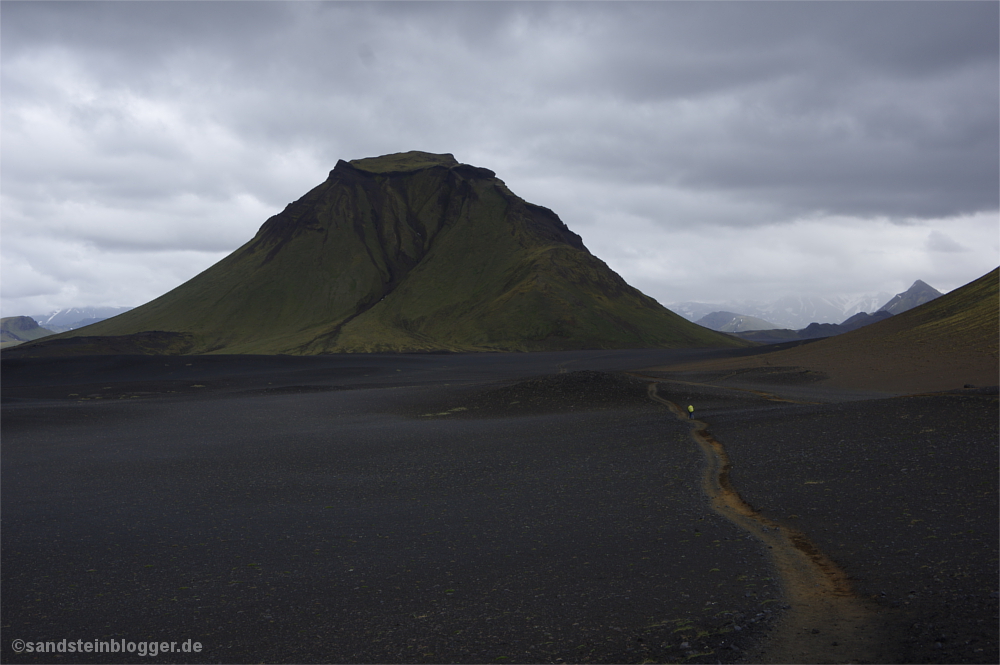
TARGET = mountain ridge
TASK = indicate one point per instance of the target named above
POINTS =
(814, 330)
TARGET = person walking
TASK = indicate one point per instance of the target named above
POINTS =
(690, 412)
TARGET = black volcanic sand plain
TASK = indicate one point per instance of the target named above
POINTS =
(474, 508)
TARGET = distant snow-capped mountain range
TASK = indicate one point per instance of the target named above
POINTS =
(793, 312)
(72, 318)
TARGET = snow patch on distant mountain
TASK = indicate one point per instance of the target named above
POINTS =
(72, 318)
(731, 322)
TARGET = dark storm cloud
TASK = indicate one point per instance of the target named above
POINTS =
(873, 110)
(888, 109)
(180, 127)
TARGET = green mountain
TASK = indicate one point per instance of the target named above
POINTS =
(19, 329)
(405, 252)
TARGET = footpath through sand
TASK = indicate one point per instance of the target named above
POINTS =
(816, 589)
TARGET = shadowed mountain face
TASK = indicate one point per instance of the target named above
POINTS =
(407, 252)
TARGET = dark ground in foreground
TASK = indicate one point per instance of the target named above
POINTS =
(459, 509)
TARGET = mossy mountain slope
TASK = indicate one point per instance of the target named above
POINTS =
(410, 252)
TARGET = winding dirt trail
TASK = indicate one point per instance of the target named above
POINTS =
(827, 622)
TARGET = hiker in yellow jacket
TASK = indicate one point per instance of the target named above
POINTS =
(690, 412)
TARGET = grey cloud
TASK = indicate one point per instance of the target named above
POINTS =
(731, 116)
(889, 109)
(940, 242)
(814, 107)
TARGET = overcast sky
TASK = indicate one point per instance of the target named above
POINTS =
(705, 151)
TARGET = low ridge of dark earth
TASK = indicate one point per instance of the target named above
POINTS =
(584, 390)
(473, 508)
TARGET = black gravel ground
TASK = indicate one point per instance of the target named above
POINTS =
(346, 510)
(483, 508)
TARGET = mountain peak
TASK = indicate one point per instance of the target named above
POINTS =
(921, 285)
(919, 293)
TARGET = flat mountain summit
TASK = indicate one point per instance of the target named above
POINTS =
(407, 252)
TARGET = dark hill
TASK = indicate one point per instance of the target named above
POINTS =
(814, 330)
(406, 252)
